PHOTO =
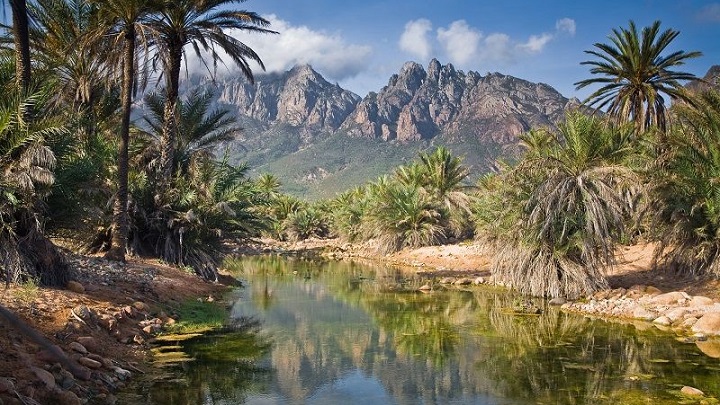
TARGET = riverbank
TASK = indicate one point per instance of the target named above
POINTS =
(94, 335)
(688, 306)
(105, 319)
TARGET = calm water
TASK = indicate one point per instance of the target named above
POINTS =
(343, 333)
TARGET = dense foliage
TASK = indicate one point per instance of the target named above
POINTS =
(74, 166)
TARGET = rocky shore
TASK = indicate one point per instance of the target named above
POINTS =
(82, 344)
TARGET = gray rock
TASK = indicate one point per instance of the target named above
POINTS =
(557, 301)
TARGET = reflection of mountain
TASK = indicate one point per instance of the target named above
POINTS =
(339, 337)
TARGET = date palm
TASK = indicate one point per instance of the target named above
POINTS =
(685, 190)
(124, 23)
(573, 203)
(635, 73)
(205, 25)
(21, 37)
(26, 174)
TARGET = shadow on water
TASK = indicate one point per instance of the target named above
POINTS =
(340, 332)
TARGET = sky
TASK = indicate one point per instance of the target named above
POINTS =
(359, 45)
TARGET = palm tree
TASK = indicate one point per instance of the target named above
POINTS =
(208, 202)
(26, 165)
(635, 75)
(125, 23)
(686, 202)
(573, 202)
(204, 25)
(22, 44)
(200, 131)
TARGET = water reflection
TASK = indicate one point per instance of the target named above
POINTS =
(344, 332)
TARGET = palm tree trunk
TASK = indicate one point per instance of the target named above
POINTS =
(169, 120)
(120, 211)
(22, 43)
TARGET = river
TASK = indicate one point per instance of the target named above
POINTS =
(323, 332)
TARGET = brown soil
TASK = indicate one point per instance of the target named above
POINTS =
(130, 293)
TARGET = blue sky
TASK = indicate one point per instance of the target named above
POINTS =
(360, 44)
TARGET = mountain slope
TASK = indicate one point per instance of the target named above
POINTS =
(320, 139)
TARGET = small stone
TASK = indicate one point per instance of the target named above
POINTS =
(463, 281)
(89, 363)
(121, 373)
(75, 287)
(557, 301)
(138, 339)
(89, 342)
(171, 321)
(129, 311)
(447, 280)
(108, 322)
(644, 314)
(78, 348)
(662, 321)
(424, 287)
(692, 391)
(67, 398)
(102, 360)
(45, 376)
(6, 385)
(84, 313)
(479, 280)
(140, 306)
(652, 291)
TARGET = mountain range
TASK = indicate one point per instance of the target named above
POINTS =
(319, 138)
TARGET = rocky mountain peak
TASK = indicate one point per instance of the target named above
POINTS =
(300, 97)
(418, 104)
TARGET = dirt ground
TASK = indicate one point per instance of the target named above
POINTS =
(122, 301)
(119, 299)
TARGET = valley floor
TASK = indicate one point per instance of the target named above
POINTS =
(108, 318)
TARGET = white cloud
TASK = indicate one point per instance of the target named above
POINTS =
(414, 39)
(566, 25)
(710, 12)
(329, 54)
(496, 48)
(536, 43)
(460, 41)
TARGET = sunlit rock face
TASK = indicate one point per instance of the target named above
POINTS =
(419, 104)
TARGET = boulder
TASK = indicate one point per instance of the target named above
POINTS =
(711, 348)
(670, 298)
(700, 301)
(708, 324)
(676, 314)
(447, 280)
(557, 301)
(463, 281)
